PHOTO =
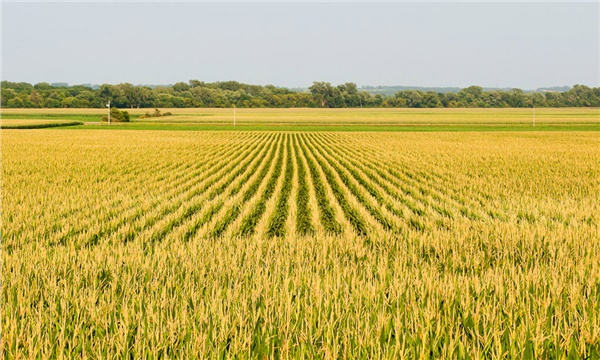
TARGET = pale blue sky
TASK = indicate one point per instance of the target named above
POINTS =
(525, 45)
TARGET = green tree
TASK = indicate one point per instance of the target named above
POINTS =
(326, 95)
(7, 94)
(516, 98)
(43, 86)
(15, 103)
(321, 91)
(129, 93)
(196, 83)
(181, 86)
(70, 102)
(431, 100)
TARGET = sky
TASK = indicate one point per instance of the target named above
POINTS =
(523, 45)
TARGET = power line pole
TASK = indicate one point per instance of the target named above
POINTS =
(533, 115)
(233, 115)
(108, 106)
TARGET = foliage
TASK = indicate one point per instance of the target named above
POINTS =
(321, 94)
(117, 115)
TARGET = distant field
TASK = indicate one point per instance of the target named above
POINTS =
(298, 244)
(11, 122)
(337, 119)
(35, 123)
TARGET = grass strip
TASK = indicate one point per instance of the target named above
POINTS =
(42, 126)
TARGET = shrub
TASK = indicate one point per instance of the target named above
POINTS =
(156, 113)
(117, 115)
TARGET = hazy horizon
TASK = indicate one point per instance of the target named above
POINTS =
(305, 88)
(493, 45)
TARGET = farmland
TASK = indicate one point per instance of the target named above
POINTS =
(394, 119)
(118, 242)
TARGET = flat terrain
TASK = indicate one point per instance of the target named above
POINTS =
(310, 244)
(546, 119)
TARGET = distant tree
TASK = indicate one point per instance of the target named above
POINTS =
(321, 94)
(348, 93)
(88, 99)
(15, 103)
(389, 102)
(470, 96)
(43, 86)
(516, 98)
(326, 95)
(413, 98)
(196, 83)
(105, 92)
(476, 91)
(320, 91)
(494, 99)
(7, 94)
(129, 92)
(36, 98)
(377, 100)
(114, 93)
(77, 89)
(363, 99)
(535, 100)
(134, 95)
(400, 102)
(581, 95)
(236, 97)
(144, 96)
(51, 103)
(181, 86)
(164, 100)
(348, 88)
(70, 102)
(230, 85)
(20, 87)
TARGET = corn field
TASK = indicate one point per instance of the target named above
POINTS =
(158, 244)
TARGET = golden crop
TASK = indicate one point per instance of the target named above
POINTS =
(383, 245)
(345, 117)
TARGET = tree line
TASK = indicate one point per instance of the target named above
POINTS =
(321, 94)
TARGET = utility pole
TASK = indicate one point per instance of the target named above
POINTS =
(234, 115)
(108, 106)
(533, 115)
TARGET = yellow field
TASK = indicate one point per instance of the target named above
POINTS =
(305, 116)
(301, 244)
